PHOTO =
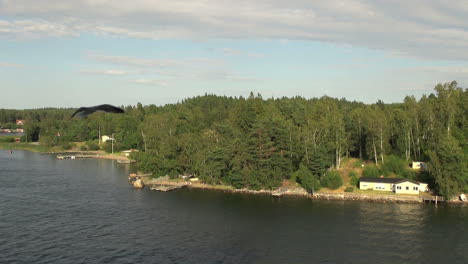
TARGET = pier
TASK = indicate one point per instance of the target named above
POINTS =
(433, 199)
(61, 157)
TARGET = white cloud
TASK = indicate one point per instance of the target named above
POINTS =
(236, 52)
(35, 28)
(171, 70)
(439, 69)
(104, 72)
(155, 63)
(153, 82)
(421, 28)
(221, 75)
(11, 65)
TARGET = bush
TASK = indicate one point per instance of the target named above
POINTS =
(358, 164)
(371, 171)
(306, 179)
(83, 148)
(332, 180)
(353, 174)
(92, 145)
(349, 189)
(66, 145)
(354, 181)
(7, 139)
(394, 164)
(117, 147)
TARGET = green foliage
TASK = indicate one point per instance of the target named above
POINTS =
(397, 166)
(257, 143)
(448, 166)
(108, 147)
(92, 145)
(354, 181)
(354, 178)
(83, 148)
(307, 179)
(358, 163)
(353, 174)
(332, 180)
(66, 145)
(214, 168)
(371, 171)
(349, 189)
(319, 162)
(7, 139)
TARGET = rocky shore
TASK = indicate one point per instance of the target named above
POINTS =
(366, 197)
(300, 192)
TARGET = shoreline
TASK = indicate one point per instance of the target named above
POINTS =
(35, 147)
(282, 191)
(299, 192)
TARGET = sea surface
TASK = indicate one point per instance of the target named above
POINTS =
(84, 211)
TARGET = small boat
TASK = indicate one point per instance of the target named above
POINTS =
(123, 161)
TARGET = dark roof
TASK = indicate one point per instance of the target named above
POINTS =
(379, 180)
(403, 180)
(385, 180)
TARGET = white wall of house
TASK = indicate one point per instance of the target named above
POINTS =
(407, 187)
(376, 186)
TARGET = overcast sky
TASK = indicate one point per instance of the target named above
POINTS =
(56, 53)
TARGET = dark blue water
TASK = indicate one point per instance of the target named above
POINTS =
(84, 211)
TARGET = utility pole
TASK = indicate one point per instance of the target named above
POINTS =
(99, 135)
(112, 143)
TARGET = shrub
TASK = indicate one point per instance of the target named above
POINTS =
(358, 164)
(393, 164)
(117, 147)
(353, 174)
(332, 180)
(371, 171)
(349, 189)
(7, 139)
(92, 145)
(306, 179)
(83, 148)
(66, 145)
(354, 181)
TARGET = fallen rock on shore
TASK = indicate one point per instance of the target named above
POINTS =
(138, 184)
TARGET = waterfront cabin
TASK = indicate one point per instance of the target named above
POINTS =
(20, 122)
(397, 185)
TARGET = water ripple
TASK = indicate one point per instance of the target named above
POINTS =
(83, 211)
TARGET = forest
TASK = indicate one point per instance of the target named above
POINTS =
(257, 143)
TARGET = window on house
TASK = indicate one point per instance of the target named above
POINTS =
(398, 187)
(415, 188)
(407, 188)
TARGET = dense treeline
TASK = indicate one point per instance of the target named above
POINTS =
(257, 143)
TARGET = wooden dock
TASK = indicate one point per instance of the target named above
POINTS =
(125, 161)
(433, 199)
(61, 157)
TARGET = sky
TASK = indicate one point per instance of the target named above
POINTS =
(56, 53)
